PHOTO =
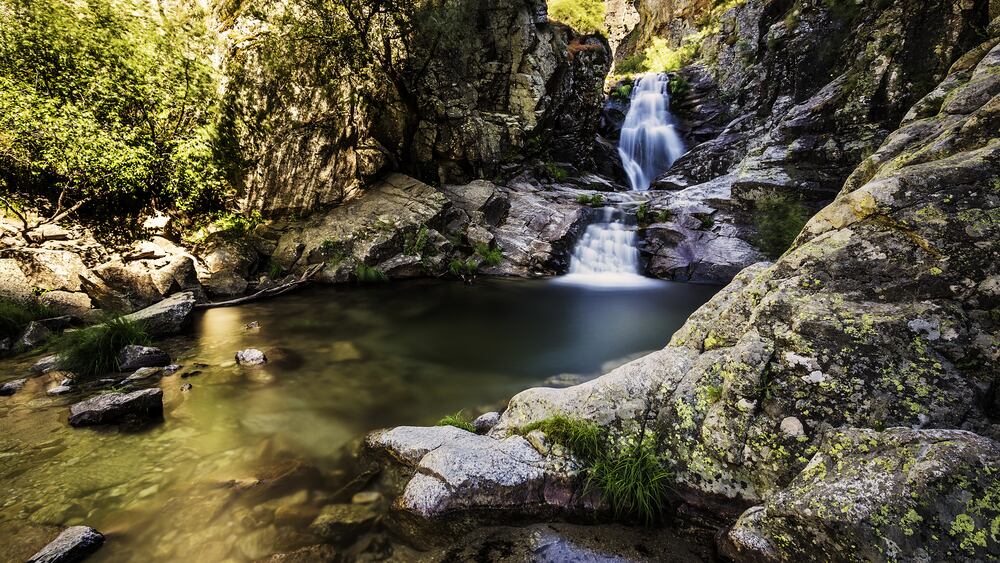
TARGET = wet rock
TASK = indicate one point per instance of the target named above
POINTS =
(142, 374)
(113, 408)
(345, 351)
(309, 554)
(341, 522)
(226, 265)
(11, 387)
(167, 317)
(485, 422)
(250, 357)
(46, 364)
(34, 335)
(366, 497)
(60, 390)
(186, 387)
(133, 357)
(73, 544)
(171, 369)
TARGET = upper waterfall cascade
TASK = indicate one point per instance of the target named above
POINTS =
(649, 142)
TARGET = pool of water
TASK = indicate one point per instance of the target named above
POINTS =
(342, 362)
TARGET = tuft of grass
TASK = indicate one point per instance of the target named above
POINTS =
(706, 222)
(15, 315)
(274, 271)
(585, 16)
(642, 214)
(490, 256)
(633, 481)
(93, 351)
(458, 420)
(622, 93)
(584, 439)
(664, 215)
(415, 243)
(369, 274)
(558, 173)
(463, 268)
(593, 200)
(778, 219)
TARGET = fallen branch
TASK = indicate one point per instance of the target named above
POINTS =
(275, 291)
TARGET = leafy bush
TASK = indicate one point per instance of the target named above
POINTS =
(679, 87)
(593, 200)
(93, 351)
(458, 420)
(585, 16)
(778, 219)
(660, 57)
(15, 315)
(490, 256)
(369, 274)
(634, 64)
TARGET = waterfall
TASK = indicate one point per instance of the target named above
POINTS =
(606, 255)
(649, 142)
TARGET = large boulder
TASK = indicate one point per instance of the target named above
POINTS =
(73, 544)
(167, 317)
(898, 495)
(113, 408)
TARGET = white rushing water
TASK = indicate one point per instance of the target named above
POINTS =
(606, 255)
(649, 142)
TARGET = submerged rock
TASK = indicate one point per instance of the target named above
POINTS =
(133, 357)
(11, 387)
(167, 317)
(143, 374)
(340, 522)
(113, 408)
(250, 357)
(72, 545)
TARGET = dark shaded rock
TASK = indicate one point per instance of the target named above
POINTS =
(485, 422)
(11, 387)
(250, 357)
(46, 364)
(72, 545)
(112, 408)
(309, 554)
(133, 357)
(167, 317)
(342, 522)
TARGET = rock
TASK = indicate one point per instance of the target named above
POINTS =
(186, 387)
(73, 544)
(226, 265)
(13, 283)
(345, 351)
(167, 317)
(46, 364)
(792, 427)
(34, 335)
(485, 422)
(366, 497)
(308, 554)
(901, 494)
(148, 281)
(50, 232)
(60, 390)
(144, 373)
(481, 200)
(171, 369)
(250, 357)
(113, 408)
(55, 270)
(11, 387)
(133, 357)
(341, 522)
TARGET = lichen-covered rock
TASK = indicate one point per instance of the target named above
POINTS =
(73, 544)
(133, 357)
(113, 408)
(898, 495)
(167, 317)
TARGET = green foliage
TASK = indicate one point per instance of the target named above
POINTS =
(463, 268)
(679, 87)
(585, 16)
(593, 200)
(705, 221)
(369, 274)
(15, 315)
(584, 439)
(274, 271)
(93, 351)
(458, 420)
(623, 92)
(110, 103)
(633, 481)
(415, 243)
(558, 173)
(236, 226)
(633, 64)
(490, 256)
(778, 219)
(335, 251)
(664, 215)
(642, 214)
(660, 57)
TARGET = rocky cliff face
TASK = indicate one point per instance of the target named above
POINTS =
(850, 389)
(504, 79)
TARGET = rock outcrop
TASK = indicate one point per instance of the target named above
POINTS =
(73, 544)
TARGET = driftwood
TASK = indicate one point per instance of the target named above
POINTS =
(275, 291)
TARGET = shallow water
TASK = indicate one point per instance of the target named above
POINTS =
(342, 362)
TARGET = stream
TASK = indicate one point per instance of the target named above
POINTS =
(343, 361)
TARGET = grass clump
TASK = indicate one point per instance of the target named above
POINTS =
(369, 274)
(490, 256)
(642, 213)
(631, 478)
(622, 93)
(415, 243)
(664, 215)
(593, 200)
(778, 219)
(15, 315)
(706, 222)
(463, 268)
(458, 420)
(93, 351)
(558, 173)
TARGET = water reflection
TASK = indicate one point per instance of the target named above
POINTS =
(246, 458)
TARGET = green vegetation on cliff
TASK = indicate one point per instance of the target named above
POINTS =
(585, 16)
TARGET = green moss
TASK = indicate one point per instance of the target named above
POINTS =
(414, 243)
(369, 274)
(584, 439)
(458, 420)
(778, 220)
(585, 16)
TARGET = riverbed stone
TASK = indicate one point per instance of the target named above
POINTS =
(113, 408)
(485, 422)
(60, 390)
(134, 356)
(168, 317)
(142, 374)
(250, 357)
(11, 387)
(73, 544)
(340, 522)
(46, 364)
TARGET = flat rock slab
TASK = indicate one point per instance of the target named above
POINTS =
(73, 544)
(167, 317)
(133, 357)
(113, 408)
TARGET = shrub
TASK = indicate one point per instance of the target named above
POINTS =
(660, 57)
(679, 87)
(415, 243)
(642, 213)
(593, 200)
(490, 256)
(15, 315)
(558, 173)
(585, 16)
(463, 268)
(458, 420)
(369, 274)
(706, 222)
(634, 64)
(93, 351)
(778, 219)
(622, 92)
